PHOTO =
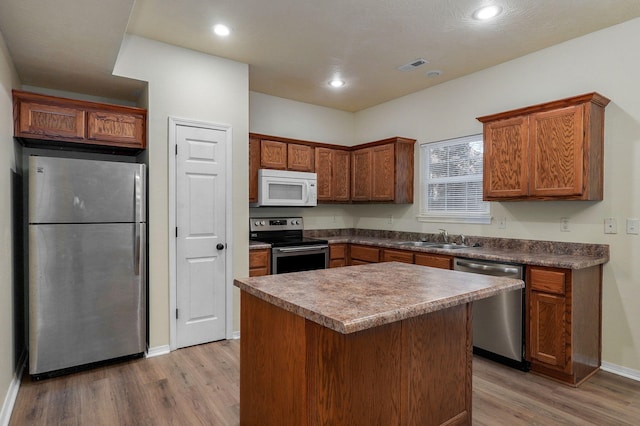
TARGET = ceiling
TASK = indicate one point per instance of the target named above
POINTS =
(294, 47)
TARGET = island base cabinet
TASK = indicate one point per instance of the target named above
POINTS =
(411, 372)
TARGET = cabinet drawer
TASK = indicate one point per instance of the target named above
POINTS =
(433, 260)
(548, 280)
(397, 256)
(365, 253)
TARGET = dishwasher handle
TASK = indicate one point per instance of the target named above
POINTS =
(488, 269)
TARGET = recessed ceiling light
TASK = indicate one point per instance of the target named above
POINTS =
(487, 12)
(221, 30)
(336, 82)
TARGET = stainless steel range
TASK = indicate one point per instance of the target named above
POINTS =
(290, 250)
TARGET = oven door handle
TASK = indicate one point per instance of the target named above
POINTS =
(302, 248)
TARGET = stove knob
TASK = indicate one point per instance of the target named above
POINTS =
(297, 222)
(256, 223)
(262, 223)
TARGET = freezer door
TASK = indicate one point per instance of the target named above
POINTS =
(87, 292)
(66, 190)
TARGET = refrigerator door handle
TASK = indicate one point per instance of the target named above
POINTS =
(137, 201)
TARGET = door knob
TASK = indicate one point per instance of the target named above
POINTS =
(220, 246)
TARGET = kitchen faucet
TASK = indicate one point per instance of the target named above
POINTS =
(445, 235)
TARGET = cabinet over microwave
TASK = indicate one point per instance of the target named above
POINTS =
(283, 188)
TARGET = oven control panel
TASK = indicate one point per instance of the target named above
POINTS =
(275, 224)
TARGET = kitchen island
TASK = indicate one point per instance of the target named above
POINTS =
(385, 344)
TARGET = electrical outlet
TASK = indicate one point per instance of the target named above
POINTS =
(564, 224)
(390, 219)
(502, 223)
(610, 225)
(632, 226)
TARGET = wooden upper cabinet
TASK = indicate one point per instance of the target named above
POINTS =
(557, 145)
(382, 171)
(547, 151)
(361, 175)
(332, 168)
(254, 165)
(125, 129)
(49, 118)
(300, 158)
(506, 147)
(273, 155)
(40, 120)
(341, 175)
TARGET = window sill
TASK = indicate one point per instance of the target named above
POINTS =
(480, 220)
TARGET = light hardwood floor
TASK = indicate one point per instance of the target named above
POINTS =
(199, 386)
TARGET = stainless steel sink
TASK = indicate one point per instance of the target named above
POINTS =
(449, 246)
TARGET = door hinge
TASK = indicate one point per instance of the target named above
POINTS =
(177, 313)
(176, 149)
(176, 232)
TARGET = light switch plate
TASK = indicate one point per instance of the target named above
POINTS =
(610, 225)
(633, 226)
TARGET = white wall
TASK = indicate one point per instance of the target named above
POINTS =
(271, 115)
(189, 85)
(8, 81)
(606, 62)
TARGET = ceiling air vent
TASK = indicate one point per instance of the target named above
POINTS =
(413, 65)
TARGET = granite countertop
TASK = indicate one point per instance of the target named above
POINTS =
(534, 253)
(553, 254)
(356, 298)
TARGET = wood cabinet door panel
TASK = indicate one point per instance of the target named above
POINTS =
(121, 129)
(383, 173)
(506, 153)
(254, 166)
(433, 260)
(361, 175)
(341, 175)
(547, 328)
(52, 121)
(300, 158)
(324, 170)
(273, 155)
(557, 149)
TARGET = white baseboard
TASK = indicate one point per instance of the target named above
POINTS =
(235, 335)
(12, 393)
(157, 351)
(621, 371)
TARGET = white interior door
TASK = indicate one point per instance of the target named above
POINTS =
(200, 235)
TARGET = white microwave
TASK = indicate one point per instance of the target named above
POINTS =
(284, 188)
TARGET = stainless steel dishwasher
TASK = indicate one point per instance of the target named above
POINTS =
(498, 321)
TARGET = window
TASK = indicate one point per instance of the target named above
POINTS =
(451, 181)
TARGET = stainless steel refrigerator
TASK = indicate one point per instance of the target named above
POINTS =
(87, 274)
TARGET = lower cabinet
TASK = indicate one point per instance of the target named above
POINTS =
(259, 262)
(337, 255)
(564, 322)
